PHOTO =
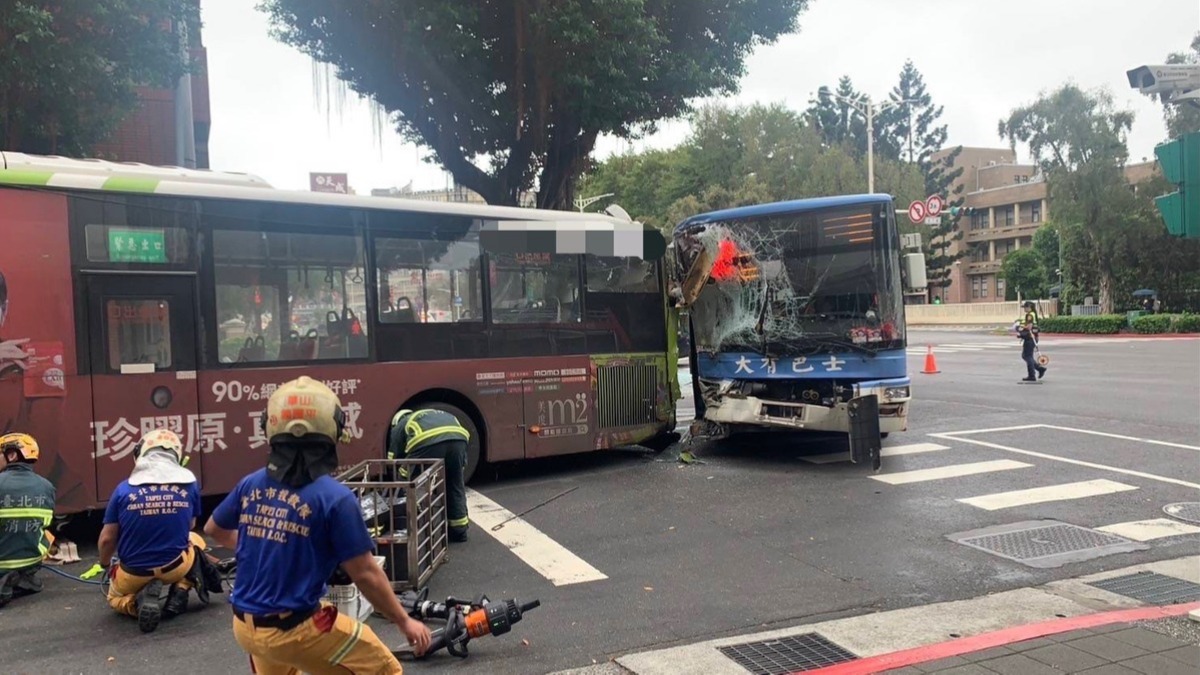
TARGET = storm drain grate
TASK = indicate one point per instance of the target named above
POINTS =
(1151, 588)
(792, 654)
(1046, 544)
(1189, 511)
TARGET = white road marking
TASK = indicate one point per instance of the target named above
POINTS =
(962, 348)
(1067, 460)
(1145, 530)
(952, 471)
(543, 554)
(1050, 493)
(1119, 436)
(894, 451)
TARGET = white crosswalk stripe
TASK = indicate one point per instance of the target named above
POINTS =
(952, 471)
(894, 451)
(1147, 530)
(1049, 493)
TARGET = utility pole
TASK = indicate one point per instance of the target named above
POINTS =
(868, 110)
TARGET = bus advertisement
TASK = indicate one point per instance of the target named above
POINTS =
(136, 297)
(796, 318)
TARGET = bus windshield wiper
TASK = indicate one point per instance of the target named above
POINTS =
(830, 340)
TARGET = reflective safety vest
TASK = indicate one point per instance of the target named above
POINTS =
(26, 510)
(426, 427)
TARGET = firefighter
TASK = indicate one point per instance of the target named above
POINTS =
(435, 434)
(148, 523)
(292, 525)
(26, 510)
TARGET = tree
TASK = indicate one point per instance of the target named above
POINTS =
(1046, 246)
(1079, 140)
(71, 67)
(837, 119)
(526, 86)
(1023, 274)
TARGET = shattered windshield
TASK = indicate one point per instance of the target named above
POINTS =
(816, 281)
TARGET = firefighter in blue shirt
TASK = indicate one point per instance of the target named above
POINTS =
(436, 434)
(26, 511)
(292, 525)
(148, 523)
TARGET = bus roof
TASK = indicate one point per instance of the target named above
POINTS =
(779, 208)
(24, 170)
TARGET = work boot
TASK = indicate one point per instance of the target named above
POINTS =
(177, 602)
(458, 535)
(8, 582)
(1041, 372)
(149, 604)
(1028, 379)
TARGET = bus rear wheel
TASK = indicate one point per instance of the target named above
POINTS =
(474, 446)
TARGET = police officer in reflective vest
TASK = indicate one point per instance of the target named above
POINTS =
(436, 434)
(26, 510)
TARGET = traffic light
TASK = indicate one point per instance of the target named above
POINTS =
(1180, 161)
(957, 211)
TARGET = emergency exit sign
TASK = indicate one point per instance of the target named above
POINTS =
(137, 246)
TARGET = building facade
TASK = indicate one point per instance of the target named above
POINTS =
(1011, 202)
(169, 127)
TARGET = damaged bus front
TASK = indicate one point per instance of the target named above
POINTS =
(796, 317)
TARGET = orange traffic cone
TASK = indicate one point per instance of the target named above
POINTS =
(930, 363)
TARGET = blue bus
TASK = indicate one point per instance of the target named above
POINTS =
(796, 318)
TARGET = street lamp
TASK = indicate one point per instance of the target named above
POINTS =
(582, 203)
(869, 111)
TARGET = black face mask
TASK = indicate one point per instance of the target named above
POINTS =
(296, 462)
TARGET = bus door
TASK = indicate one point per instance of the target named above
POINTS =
(143, 352)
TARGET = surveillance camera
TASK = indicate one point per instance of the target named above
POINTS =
(1165, 79)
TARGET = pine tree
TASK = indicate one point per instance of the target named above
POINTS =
(837, 120)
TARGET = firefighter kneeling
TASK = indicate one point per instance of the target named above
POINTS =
(148, 523)
(26, 510)
(436, 434)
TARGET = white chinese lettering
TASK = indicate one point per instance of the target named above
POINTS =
(798, 365)
(118, 440)
(211, 430)
(258, 439)
(769, 364)
(833, 364)
(352, 410)
(349, 386)
(743, 363)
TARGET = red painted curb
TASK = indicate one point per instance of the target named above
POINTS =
(975, 643)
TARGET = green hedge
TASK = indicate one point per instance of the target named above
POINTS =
(1094, 325)
(1167, 323)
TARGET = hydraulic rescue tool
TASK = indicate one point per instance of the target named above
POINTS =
(463, 619)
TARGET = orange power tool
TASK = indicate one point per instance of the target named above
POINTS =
(464, 620)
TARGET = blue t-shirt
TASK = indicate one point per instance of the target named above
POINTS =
(154, 522)
(290, 540)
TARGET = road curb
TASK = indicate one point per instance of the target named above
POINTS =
(1000, 638)
(1122, 336)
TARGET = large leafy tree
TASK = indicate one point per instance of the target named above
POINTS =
(69, 69)
(506, 92)
(1023, 273)
(1079, 140)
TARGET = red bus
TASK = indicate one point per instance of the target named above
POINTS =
(137, 297)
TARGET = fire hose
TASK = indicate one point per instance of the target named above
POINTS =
(464, 620)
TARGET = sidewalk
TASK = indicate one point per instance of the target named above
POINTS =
(1149, 641)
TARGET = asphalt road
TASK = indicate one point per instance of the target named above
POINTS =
(758, 535)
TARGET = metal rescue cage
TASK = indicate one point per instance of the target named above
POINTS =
(406, 517)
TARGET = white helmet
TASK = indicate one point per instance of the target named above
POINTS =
(161, 439)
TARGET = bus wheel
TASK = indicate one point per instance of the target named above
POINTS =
(474, 447)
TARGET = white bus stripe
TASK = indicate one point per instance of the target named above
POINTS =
(894, 451)
(1050, 493)
(543, 554)
(1145, 530)
(952, 471)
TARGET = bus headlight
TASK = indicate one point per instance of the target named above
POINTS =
(896, 393)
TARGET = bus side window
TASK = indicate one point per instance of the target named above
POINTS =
(429, 281)
(289, 296)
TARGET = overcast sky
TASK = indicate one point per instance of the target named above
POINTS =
(980, 59)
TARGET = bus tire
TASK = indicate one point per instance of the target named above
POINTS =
(474, 446)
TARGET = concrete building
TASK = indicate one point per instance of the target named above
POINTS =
(169, 127)
(1013, 199)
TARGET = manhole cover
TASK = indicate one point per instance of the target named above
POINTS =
(1151, 588)
(1189, 511)
(1045, 543)
(792, 654)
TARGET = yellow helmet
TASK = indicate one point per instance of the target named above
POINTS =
(305, 406)
(161, 439)
(23, 444)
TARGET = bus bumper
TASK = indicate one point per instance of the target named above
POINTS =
(894, 398)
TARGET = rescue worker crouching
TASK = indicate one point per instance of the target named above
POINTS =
(291, 525)
(435, 434)
(26, 511)
(148, 523)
